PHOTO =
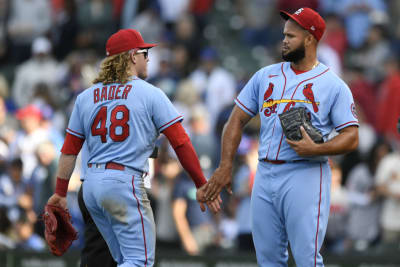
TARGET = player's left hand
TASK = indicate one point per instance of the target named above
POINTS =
(305, 146)
(221, 178)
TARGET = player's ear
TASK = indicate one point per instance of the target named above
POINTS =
(309, 40)
(132, 57)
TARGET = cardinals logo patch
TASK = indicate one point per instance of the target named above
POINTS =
(353, 110)
(309, 94)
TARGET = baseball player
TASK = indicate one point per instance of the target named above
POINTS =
(120, 117)
(291, 192)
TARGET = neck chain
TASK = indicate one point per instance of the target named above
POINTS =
(316, 64)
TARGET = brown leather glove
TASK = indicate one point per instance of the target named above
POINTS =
(59, 232)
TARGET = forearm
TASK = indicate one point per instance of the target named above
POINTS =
(66, 166)
(346, 141)
(231, 136)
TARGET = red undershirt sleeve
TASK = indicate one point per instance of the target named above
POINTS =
(72, 144)
(187, 156)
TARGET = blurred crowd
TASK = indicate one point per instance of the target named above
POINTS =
(50, 51)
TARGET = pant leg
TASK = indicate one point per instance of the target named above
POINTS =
(102, 223)
(305, 201)
(123, 215)
(95, 251)
(269, 234)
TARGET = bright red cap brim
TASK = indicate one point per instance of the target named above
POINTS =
(146, 45)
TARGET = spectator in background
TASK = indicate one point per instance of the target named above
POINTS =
(357, 16)
(79, 69)
(195, 228)
(162, 189)
(373, 54)
(214, 83)
(388, 109)
(336, 232)
(335, 35)
(40, 68)
(165, 78)
(328, 56)
(27, 140)
(65, 28)
(8, 124)
(388, 185)
(201, 9)
(142, 21)
(243, 185)
(202, 139)
(4, 10)
(365, 207)
(13, 186)
(6, 242)
(186, 34)
(42, 181)
(96, 24)
(171, 11)
(259, 22)
(364, 93)
(27, 238)
(181, 63)
(28, 20)
(292, 6)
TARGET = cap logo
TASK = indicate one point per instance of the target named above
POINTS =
(299, 11)
(312, 28)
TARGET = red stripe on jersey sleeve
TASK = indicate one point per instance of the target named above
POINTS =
(72, 144)
(347, 124)
(253, 113)
(76, 133)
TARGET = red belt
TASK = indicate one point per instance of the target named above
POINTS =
(112, 165)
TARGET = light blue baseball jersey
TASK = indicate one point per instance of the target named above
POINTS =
(276, 88)
(121, 122)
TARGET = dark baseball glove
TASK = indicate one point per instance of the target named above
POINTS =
(59, 232)
(291, 121)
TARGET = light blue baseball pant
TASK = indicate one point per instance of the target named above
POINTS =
(118, 204)
(290, 203)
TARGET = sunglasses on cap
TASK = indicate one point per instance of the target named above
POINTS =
(145, 52)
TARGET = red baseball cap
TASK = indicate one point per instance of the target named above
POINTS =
(308, 19)
(28, 111)
(125, 40)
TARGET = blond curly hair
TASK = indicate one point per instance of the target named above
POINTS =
(115, 69)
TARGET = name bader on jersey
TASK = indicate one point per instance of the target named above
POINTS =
(111, 92)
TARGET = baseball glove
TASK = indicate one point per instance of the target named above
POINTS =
(291, 121)
(59, 232)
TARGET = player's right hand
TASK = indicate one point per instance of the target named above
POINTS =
(58, 201)
(221, 178)
(214, 206)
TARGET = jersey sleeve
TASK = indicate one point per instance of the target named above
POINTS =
(75, 126)
(343, 110)
(247, 100)
(163, 111)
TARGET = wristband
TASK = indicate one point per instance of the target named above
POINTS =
(61, 187)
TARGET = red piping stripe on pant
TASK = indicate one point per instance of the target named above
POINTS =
(141, 218)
